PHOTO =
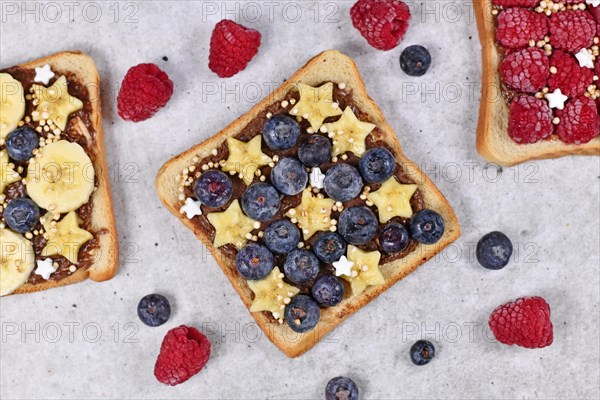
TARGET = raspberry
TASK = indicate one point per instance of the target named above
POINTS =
(145, 90)
(572, 30)
(579, 121)
(526, 70)
(232, 46)
(517, 26)
(183, 353)
(530, 119)
(524, 322)
(569, 77)
(516, 3)
(382, 22)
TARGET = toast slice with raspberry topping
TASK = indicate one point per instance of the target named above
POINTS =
(293, 197)
(507, 132)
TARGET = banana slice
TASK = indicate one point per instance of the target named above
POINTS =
(17, 260)
(8, 174)
(61, 178)
(12, 104)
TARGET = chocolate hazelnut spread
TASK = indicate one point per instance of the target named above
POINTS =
(87, 253)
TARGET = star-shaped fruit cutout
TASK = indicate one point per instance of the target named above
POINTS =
(343, 267)
(316, 104)
(365, 271)
(556, 99)
(65, 237)
(245, 158)
(8, 174)
(313, 213)
(45, 268)
(393, 199)
(272, 294)
(55, 103)
(349, 133)
(585, 58)
(43, 75)
(191, 208)
(231, 226)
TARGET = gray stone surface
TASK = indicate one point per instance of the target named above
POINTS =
(548, 208)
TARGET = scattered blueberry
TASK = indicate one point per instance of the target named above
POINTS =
(316, 150)
(422, 352)
(494, 250)
(289, 176)
(21, 215)
(282, 236)
(357, 225)
(301, 266)
(328, 291)
(393, 238)
(302, 314)
(341, 388)
(254, 261)
(329, 247)
(281, 132)
(415, 60)
(154, 309)
(213, 188)
(342, 182)
(426, 226)
(377, 165)
(21, 142)
(260, 201)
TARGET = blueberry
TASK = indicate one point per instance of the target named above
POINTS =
(328, 291)
(329, 247)
(281, 132)
(21, 142)
(301, 266)
(154, 309)
(426, 226)
(302, 314)
(315, 151)
(342, 182)
(377, 165)
(415, 60)
(254, 261)
(494, 250)
(21, 215)
(260, 201)
(289, 176)
(357, 225)
(282, 236)
(341, 388)
(422, 352)
(213, 188)
(393, 238)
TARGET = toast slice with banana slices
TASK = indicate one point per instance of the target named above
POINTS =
(308, 203)
(493, 140)
(57, 225)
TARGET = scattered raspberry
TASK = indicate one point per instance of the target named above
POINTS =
(569, 77)
(524, 322)
(232, 46)
(382, 22)
(145, 90)
(516, 3)
(579, 122)
(530, 119)
(183, 353)
(526, 70)
(517, 26)
(572, 30)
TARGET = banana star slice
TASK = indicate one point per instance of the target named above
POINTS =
(8, 174)
(12, 104)
(349, 133)
(232, 226)
(313, 214)
(365, 269)
(65, 237)
(61, 178)
(316, 104)
(17, 261)
(393, 200)
(272, 294)
(55, 103)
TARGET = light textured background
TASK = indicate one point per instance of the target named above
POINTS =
(549, 209)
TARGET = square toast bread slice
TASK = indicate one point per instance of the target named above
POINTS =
(82, 68)
(493, 142)
(335, 67)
